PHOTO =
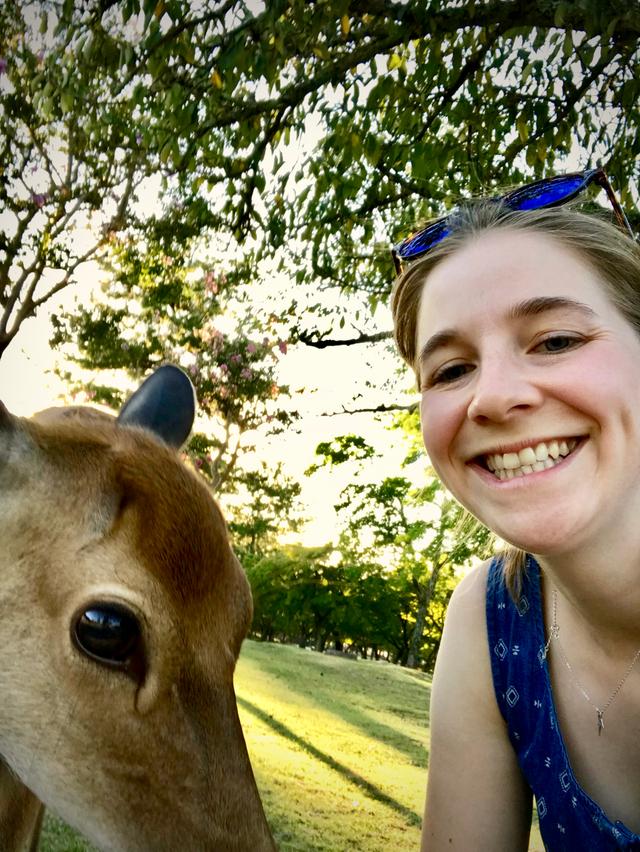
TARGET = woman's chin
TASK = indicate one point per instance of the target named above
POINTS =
(543, 539)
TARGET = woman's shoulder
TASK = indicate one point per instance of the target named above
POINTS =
(464, 644)
(477, 798)
(468, 600)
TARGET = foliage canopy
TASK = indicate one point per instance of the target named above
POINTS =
(313, 130)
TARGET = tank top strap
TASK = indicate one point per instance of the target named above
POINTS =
(569, 819)
(516, 645)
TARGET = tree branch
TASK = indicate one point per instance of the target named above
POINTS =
(323, 343)
(379, 409)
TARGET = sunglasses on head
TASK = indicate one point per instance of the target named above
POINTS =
(549, 192)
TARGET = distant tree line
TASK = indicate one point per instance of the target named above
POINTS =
(382, 590)
(301, 596)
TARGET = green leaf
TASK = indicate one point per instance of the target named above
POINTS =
(568, 48)
(559, 14)
(67, 100)
(523, 128)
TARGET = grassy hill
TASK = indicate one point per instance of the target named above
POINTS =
(338, 746)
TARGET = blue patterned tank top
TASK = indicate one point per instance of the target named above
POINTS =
(569, 819)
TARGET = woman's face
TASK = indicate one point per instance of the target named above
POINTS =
(530, 383)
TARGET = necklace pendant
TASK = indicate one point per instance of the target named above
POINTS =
(600, 721)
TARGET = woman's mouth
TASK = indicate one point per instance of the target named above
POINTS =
(532, 459)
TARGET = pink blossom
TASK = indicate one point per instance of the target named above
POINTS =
(251, 348)
(210, 283)
(236, 359)
(38, 199)
(224, 368)
(282, 346)
(247, 373)
(211, 335)
(198, 463)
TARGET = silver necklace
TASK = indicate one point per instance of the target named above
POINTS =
(554, 633)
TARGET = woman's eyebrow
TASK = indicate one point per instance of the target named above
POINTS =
(542, 304)
(437, 341)
(521, 310)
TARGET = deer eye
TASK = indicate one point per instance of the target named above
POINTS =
(108, 633)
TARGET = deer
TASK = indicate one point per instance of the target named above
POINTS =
(122, 613)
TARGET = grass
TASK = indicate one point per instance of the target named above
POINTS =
(338, 746)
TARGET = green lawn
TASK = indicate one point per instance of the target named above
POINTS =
(338, 746)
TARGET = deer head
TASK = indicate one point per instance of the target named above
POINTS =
(122, 612)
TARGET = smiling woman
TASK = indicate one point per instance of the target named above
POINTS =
(522, 327)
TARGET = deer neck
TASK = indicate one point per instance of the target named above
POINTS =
(20, 813)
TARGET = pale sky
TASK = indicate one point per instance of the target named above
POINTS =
(331, 378)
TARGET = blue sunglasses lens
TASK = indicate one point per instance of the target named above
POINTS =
(535, 196)
(547, 193)
(424, 240)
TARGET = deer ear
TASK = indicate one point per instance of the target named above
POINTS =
(164, 403)
(8, 423)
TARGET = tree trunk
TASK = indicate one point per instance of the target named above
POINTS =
(425, 596)
(416, 637)
(320, 641)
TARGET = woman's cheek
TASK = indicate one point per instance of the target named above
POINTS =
(440, 424)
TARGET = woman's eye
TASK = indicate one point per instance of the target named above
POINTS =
(449, 374)
(558, 343)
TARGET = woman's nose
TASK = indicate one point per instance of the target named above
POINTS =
(501, 391)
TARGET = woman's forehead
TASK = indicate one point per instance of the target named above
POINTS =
(494, 271)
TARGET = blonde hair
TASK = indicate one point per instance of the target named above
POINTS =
(612, 253)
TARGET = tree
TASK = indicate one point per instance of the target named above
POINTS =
(164, 301)
(67, 160)
(419, 551)
(413, 104)
(298, 595)
(265, 504)
(415, 531)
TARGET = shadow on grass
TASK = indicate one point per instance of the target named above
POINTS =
(374, 792)
(324, 693)
(58, 837)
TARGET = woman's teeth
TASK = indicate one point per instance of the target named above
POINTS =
(530, 459)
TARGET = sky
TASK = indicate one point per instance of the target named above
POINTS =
(330, 377)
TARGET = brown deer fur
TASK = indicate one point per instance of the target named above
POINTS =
(145, 760)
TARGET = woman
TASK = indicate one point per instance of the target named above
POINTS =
(523, 328)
